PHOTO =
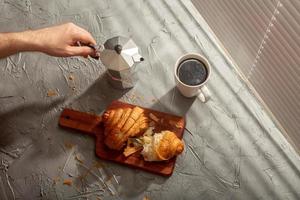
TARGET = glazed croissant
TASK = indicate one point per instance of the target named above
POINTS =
(161, 146)
(122, 123)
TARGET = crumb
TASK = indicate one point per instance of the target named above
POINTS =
(68, 182)
(146, 198)
(153, 117)
(78, 158)
(98, 165)
(51, 93)
(131, 150)
(177, 124)
(71, 77)
(56, 180)
(69, 145)
(109, 178)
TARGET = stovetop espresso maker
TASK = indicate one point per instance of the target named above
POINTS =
(120, 55)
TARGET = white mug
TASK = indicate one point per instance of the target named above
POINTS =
(199, 90)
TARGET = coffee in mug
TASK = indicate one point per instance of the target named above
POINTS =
(192, 71)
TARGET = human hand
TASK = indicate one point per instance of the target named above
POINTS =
(62, 41)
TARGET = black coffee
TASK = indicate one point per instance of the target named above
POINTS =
(192, 72)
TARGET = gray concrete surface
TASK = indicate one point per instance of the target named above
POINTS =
(233, 149)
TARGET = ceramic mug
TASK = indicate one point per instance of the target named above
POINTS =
(199, 90)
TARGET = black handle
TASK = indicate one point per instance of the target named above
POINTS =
(94, 47)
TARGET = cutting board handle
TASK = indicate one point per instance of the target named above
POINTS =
(87, 123)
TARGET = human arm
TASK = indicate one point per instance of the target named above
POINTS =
(58, 41)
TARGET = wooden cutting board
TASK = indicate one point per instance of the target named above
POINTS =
(91, 125)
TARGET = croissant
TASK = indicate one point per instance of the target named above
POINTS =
(161, 146)
(122, 123)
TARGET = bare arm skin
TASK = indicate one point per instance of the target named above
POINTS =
(60, 41)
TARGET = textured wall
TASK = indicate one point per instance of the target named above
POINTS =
(233, 150)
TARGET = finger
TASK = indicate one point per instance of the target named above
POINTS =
(80, 51)
(85, 37)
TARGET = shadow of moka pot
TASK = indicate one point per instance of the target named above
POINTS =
(120, 55)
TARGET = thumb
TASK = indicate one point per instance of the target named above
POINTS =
(81, 51)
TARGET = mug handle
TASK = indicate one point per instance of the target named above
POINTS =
(204, 94)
